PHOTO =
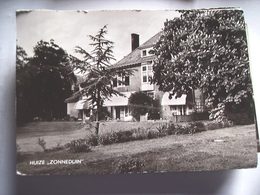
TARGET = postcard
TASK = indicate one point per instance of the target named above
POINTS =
(137, 91)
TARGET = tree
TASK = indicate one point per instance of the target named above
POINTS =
(97, 85)
(140, 104)
(52, 81)
(23, 85)
(205, 49)
(43, 82)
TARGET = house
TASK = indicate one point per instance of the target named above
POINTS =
(140, 59)
(78, 107)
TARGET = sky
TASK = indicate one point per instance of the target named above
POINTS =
(71, 28)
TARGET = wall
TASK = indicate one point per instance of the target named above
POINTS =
(134, 81)
(71, 110)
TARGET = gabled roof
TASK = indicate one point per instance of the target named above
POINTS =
(134, 58)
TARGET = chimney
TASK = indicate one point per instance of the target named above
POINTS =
(134, 41)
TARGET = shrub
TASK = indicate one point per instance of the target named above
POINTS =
(139, 134)
(153, 134)
(140, 103)
(129, 165)
(124, 136)
(79, 145)
(195, 127)
(108, 138)
(42, 143)
(92, 139)
(162, 129)
(191, 128)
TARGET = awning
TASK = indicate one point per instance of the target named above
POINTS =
(81, 104)
(167, 101)
(117, 100)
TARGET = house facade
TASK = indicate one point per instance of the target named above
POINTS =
(140, 60)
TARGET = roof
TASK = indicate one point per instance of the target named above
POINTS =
(72, 99)
(134, 58)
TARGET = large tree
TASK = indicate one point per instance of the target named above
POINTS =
(43, 81)
(23, 85)
(96, 65)
(206, 49)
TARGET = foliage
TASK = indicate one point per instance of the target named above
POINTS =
(139, 134)
(190, 128)
(42, 143)
(92, 140)
(205, 49)
(154, 134)
(154, 112)
(43, 82)
(97, 85)
(79, 145)
(108, 138)
(129, 165)
(140, 104)
(103, 114)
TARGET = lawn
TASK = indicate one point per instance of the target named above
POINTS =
(62, 132)
(233, 147)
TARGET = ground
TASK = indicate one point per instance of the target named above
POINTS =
(233, 147)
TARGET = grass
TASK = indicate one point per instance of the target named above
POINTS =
(63, 132)
(233, 147)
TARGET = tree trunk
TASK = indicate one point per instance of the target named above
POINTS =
(97, 114)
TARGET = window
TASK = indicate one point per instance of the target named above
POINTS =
(121, 81)
(144, 79)
(144, 53)
(127, 80)
(147, 72)
(173, 107)
(115, 82)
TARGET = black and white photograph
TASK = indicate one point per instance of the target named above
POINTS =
(133, 91)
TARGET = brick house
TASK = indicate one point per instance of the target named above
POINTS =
(141, 61)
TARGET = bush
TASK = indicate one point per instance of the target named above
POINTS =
(79, 145)
(162, 130)
(140, 103)
(129, 165)
(92, 139)
(139, 134)
(124, 136)
(195, 127)
(108, 138)
(153, 134)
(191, 128)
